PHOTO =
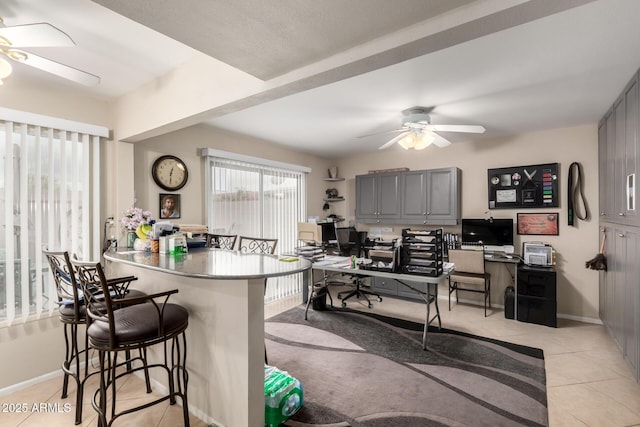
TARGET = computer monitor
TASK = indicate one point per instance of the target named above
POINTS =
(495, 234)
(328, 232)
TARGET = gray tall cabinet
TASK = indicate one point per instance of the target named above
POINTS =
(619, 159)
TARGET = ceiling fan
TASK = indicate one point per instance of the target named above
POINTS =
(14, 38)
(418, 133)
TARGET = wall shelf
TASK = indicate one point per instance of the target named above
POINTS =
(335, 199)
(333, 179)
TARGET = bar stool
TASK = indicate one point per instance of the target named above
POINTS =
(73, 313)
(137, 324)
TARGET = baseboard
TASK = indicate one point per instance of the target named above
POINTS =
(501, 306)
(30, 382)
(155, 384)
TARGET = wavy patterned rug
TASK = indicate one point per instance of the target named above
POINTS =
(366, 370)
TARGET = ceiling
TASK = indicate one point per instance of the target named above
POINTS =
(335, 70)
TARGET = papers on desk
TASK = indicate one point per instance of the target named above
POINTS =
(448, 267)
(334, 261)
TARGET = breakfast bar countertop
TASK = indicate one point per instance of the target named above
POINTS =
(212, 263)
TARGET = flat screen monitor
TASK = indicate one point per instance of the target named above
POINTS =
(488, 232)
(328, 232)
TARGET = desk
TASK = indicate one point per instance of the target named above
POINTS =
(342, 265)
(504, 259)
(224, 294)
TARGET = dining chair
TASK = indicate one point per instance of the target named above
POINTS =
(117, 326)
(222, 241)
(469, 269)
(257, 245)
(73, 313)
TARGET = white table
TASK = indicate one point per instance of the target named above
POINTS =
(429, 296)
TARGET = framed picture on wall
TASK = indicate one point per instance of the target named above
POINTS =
(538, 224)
(169, 205)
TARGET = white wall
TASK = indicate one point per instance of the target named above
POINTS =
(186, 144)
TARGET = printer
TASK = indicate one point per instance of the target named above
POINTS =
(538, 254)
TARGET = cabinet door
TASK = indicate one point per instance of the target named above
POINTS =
(630, 150)
(414, 197)
(384, 286)
(620, 199)
(366, 197)
(630, 332)
(403, 291)
(389, 196)
(602, 169)
(615, 286)
(610, 178)
(443, 196)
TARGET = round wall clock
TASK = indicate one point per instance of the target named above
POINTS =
(169, 172)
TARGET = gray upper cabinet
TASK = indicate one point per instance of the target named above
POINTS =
(378, 197)
(430, 197)
(619, 157)
(443, 196)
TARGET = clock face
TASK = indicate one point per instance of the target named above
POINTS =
(170, 173)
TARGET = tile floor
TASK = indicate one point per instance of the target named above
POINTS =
(588, 383)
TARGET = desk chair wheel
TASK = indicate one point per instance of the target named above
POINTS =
(344, 304)
(370, 305)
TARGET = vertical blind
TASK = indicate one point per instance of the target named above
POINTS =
(258, 200)
(48, 177)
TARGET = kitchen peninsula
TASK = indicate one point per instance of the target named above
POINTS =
(224, 294)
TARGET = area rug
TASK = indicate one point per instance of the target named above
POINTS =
(366, 370)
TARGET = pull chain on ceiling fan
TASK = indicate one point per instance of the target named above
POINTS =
(418, 132)
(14, 38)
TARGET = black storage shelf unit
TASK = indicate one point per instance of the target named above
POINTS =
(537, 295)
(422, 252)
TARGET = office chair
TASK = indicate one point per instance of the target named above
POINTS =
(469, 269)
(348, 244)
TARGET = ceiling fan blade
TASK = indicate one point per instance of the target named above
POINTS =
(383, 132)
(440, 141)
(58, 69)
(457, 128)
(34, 35)
(394, 140)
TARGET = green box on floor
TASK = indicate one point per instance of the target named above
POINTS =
(283, 396)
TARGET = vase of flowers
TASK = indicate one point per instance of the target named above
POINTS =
(132, 219)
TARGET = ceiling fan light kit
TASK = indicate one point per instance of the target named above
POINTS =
(418, 132)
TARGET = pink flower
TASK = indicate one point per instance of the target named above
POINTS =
(133, 217)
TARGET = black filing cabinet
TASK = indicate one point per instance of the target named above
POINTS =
(536, 295)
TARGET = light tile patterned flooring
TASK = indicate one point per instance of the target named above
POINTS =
(588, 383)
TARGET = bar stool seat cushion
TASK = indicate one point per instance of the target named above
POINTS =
(139, 323)
(67, 311)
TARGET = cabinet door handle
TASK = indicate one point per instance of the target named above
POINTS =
(620, 235)
(620, 213)
(602, 214)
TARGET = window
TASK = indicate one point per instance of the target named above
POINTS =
(257, 198)
(46, 199)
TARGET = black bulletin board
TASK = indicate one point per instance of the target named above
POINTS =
(517, 187)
